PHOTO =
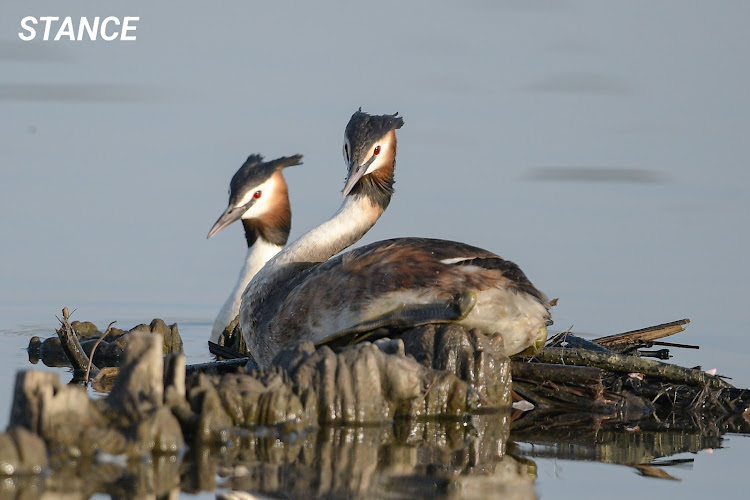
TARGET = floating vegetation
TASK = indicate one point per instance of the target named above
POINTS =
(428, 412)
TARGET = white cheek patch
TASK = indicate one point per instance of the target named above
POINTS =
(262, 204)
(384, 157)
(376, 164)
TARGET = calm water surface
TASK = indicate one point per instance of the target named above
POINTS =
(600, 145)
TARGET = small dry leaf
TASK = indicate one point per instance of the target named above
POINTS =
(523, 405)
(651, 471)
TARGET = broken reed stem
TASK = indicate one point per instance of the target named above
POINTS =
(71, 346)
(546, 372)
(627, 364)
(644, 334)
(672, 344)
(93, 350)
(222, 366)
(225, 352)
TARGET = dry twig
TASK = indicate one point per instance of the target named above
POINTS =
(649, 334)
(93, 350)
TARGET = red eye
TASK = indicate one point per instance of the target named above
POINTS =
(257, 194)
(377, 151)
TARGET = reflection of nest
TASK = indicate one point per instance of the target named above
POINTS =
(405, 459)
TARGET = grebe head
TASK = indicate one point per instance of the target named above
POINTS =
(370, 145)
(256, 190)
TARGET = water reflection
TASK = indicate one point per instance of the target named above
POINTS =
(643, 444)
(33, 52)
(75, 92)
(465, 458)
(456, 459)
(438, 459)
(595, 174)
(587, 84)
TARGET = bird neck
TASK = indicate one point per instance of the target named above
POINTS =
(377, 186)
(265, 237)
(357, 214)
(260, 252)
(361, 209)
(257, 255)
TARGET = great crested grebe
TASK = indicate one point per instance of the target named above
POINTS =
(303, 294)
(258, 196)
